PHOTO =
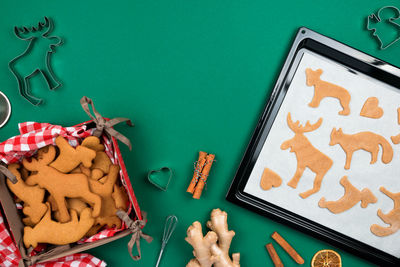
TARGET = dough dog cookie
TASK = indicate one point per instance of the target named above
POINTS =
(61, 185)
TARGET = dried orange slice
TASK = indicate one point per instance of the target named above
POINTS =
(326, 258)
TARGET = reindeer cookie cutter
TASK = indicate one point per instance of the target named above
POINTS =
(18, 65)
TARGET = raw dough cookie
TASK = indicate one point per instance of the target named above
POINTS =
(367, 141)
(350, 198)
(307, 155)
(392, 218)
(371, 109)
(324, 89)
(270, 179)
(395, 139)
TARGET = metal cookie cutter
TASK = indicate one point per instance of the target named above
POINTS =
(374, 19)
(24, 66)
(5, 109)
(160, 178)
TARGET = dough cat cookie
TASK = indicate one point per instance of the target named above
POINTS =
(324, 89)
(367, 141)
(270, 179)
(49, 231)
(32, 196)
(61, 185)
(350, 198)
(307, 155)
(371, 109)
(70, 157)
(392, 218)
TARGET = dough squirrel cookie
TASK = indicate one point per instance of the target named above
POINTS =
(367, 141)
(270, 179)
(49, 231)
(324, 89)
(371, 109)
(350, 198)
(307, 155)
(32, 196)
(392, 218)
(70, 157)
(61, 185)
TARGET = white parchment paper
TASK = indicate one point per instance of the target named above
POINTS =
(355, 222)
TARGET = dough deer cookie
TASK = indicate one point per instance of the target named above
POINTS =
(108, 209)
(93, 142)
(61, 185)
(367, 141)
(307, 155)
(324, 89)
(120, 197)
(392, 218)
(270, 179)
(70, 157)
(371, 109)
(32, 196)
(49, 231)
(350, 198)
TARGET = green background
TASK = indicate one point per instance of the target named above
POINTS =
(192, 75)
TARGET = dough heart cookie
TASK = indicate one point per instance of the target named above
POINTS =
(371, 109)
(270, 179)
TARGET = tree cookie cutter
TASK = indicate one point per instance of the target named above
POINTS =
(160, 178)
(38, 38)
(374, 19)
(5, 109)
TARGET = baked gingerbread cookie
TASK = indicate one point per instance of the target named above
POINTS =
(367, 141)
(324, 89)
(270, 179)
(71, 157)
(61, 185)
(371, 109)
(350, 198)
(32, 196)
(392, 218)
(120, 197)
(307, 155)
(93, 142)
(51, 232)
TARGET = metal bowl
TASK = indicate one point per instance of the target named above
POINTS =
(5, 109)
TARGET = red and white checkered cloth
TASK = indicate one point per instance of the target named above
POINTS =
(33, 137)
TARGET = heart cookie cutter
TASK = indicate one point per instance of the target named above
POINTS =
(156, 178)
(5, 109)
(376, 18)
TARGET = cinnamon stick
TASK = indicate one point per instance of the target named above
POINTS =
(274, 256)
(288, 248)
(197, 172)
(204, 174)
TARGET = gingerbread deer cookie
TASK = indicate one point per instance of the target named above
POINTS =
(70, 157)
(324, 89)
(367, 141)
(61, 185)
(350, 198)
(32, 196)
(49, 231)
(392, 218)
(307, 155)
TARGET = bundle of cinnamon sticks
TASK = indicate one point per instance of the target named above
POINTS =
(200, 175)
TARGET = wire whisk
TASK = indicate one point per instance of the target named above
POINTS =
(169, 227)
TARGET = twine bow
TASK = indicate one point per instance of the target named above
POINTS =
(104, 125)
(8, 174)
(137, 234)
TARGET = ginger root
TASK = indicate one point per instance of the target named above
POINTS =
(213, 248)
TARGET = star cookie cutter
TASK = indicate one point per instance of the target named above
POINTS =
(160, 178)
(37, 38)
(377, 19)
